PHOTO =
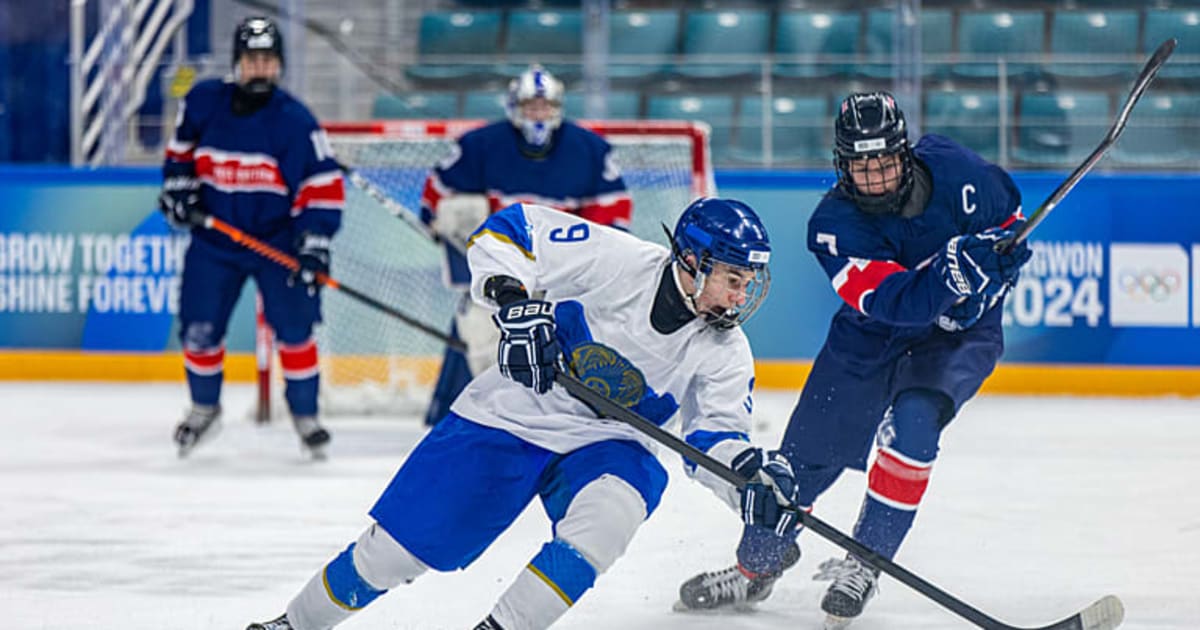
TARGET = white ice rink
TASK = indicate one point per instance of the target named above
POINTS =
(1036, 508)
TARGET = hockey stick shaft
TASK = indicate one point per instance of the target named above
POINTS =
(1102, 615)
(1149, 71)
(395, 208)
(288, 261)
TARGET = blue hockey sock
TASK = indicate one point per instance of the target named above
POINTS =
(205, 389)
(564, 570)
(345, 586)
(761, 552)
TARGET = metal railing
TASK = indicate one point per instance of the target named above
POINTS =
(109, 73)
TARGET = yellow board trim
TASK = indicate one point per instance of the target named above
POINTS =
(1034, 379)
(1009, 378)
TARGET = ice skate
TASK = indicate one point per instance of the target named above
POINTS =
(730, 588)
(854, 584)
(313, 436)
(201, 424)
(279, 623)
(488, 624)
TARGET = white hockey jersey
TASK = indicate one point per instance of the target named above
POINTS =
(614, 277)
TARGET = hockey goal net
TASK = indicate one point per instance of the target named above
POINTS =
(372, 363)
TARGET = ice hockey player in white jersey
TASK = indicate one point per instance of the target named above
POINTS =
(614, 307)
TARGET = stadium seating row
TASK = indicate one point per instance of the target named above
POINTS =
(1099, 42)
(1049, 129)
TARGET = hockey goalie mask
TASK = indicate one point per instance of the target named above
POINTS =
(871, 153)
(729, 252)
(534, 107)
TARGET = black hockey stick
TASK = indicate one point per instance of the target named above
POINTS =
(275, 255)
(1104, 614)
(1147, 75)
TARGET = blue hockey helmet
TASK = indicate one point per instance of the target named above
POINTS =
(724, 231)
(870, 125)
(257, 33)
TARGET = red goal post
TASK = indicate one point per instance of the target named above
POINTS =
(373, 364)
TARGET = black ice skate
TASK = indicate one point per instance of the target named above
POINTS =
(488, 624)
(200, 425)
(279, 623)
(854, 584)
(313, 436)
(730, 588)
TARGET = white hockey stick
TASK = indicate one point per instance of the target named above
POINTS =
(397, 209)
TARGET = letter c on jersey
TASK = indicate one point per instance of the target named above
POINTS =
(968, 206)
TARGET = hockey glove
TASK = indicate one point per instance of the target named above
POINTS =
(528, 351)
(963, 314)
(180, 202)
(769, 497)
(970, 265)
(312, 252)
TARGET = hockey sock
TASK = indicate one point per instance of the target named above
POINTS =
(898, 478)
(205, 370)
(550, 584)
(760, 551)
(301, 377)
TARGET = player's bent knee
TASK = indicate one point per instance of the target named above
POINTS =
(602, 519)
(382, 562)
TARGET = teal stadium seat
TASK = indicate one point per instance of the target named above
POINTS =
(969, 117)
(708, 35)
(533, 34)
(986, 36)
(416, 105)
(1164, 130)
(1060, 128)
(487, 105)
(936, 27)
(653, 34)
(714, 109)
(824, 41)
(622, 105)
(800, 126)
(1183, 24)
(467, 33)
(1084, 33)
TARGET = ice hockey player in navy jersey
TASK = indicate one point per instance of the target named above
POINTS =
(908, 238)
(247, 152)
(534, 156)
(659, 328)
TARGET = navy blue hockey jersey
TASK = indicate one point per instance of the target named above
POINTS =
(270, 173)
(878, 263)
(577, 175)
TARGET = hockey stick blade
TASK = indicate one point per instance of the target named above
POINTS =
(287, 261)
(1105, 614)
(1149, 71)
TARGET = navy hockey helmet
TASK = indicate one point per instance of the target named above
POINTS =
(724, 231)
(257, 33)
(870, 125)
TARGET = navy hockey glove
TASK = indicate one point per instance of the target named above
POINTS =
(769, 497)
(528, 352)
(180, 202)
(963, 314)
(970, 265)
(312, 252)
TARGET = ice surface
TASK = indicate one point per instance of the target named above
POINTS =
(1037, 507)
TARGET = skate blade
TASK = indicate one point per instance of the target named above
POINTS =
(730, 609)
(316, 453)
(834, 622)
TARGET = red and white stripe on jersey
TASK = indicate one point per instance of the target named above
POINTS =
(233, 172)
(613, 209)
(898, 481)
(322, 190)
(299, 361)
(434, 192)
(181, 151)
(860, 277)
(206, 362)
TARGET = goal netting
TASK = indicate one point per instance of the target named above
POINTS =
(372, 363)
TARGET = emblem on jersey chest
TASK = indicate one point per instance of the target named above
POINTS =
(604, 370)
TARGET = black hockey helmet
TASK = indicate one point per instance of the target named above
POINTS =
(870, 125)
(257, 33)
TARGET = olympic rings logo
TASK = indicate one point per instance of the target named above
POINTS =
(1158, 285)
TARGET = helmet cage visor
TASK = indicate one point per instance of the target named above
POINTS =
(754, 290)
